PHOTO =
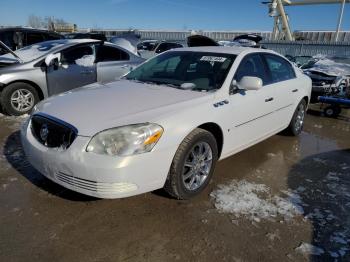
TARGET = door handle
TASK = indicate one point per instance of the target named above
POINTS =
(125, 66)
(295, 90)
(269, 99)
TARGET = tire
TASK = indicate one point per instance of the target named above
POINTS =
(197, 142)
(26, 95)
(332, 111)
(297, 123)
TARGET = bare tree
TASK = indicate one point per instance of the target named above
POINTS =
(48, 22)
(35, 21)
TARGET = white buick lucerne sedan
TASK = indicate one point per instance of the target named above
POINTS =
(166, 123)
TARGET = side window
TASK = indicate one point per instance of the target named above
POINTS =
(33, 38)
(162, 48)
(252, 65)
(108, 53)
(77, 55)
(280, 69)
(7, 38)
(167, 46)
(174, 45)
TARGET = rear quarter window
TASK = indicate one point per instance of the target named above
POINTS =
(108, 53)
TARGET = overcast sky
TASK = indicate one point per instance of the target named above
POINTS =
(171, 14)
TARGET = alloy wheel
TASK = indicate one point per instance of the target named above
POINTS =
(197, 166)
(22, 100)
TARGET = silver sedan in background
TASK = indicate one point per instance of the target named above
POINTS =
(36, 72)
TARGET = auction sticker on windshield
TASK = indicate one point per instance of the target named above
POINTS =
(213, 59)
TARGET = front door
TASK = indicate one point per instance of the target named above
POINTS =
(76, 68)
(252, 112)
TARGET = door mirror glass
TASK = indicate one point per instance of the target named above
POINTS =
(250, 83)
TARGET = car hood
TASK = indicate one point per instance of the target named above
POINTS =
(98, 107)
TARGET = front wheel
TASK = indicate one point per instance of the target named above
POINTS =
(193, 165)
(297, 123)
(19, 98)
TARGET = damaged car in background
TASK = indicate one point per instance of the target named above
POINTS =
(330, 75)
(167, 122)
(150, 49)
(36, 72)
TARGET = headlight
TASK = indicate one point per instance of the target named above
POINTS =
(126, 140)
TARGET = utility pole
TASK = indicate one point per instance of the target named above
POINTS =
(285, 22)
(340, 21)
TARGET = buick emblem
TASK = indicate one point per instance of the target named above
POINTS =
(44, 132)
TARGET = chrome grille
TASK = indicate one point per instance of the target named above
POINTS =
(51, 132)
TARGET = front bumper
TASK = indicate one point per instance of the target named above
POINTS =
(97, 175)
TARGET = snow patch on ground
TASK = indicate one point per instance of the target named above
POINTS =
(255, 201)
(13, 122)
(308, 249)
(319, 160)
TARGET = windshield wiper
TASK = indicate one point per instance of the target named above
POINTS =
(150, 82)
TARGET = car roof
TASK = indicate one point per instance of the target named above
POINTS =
(234, 50)
(29, 29)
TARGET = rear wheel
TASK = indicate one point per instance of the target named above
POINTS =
(297, 123)
(193, 165)
(19, 98)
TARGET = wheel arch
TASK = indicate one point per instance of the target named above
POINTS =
(216, 131)
(37, 87)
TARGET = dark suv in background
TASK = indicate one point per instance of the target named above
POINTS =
(18, 37)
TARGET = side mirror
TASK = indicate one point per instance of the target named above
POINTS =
(53, 60)
(250, 83)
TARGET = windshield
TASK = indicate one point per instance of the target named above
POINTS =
(183, 69)
(32, 52)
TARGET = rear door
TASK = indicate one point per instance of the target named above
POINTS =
(77, 68)
(112, 63)
(252, 112)
(284, 81)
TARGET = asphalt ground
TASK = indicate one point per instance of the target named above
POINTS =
(42, 221)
